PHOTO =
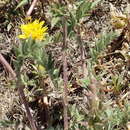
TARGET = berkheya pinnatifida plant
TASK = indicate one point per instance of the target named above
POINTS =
(31, 43)
(30, 47)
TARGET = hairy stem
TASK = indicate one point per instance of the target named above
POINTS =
(65, 77)
(20, 90)
(82, 52)
(7, 66)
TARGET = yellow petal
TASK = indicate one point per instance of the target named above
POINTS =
(33, 29)
(22, 36)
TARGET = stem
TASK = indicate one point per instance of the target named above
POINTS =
(7, 66)
(82, 51)
(24, 101)
(20, 90)
(65, 77)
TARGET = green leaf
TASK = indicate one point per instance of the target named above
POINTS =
(95, 3)
(57, 37)
(54, 21)
(22, 3)
(71, 24)
(83, 9)
(5, 123)
(73, 19)
(58, 10)
(101, 44)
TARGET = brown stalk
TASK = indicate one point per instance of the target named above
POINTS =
(20, 90)
(82, 51)
(65, 77)
(94, 86)
(7, 66)
(24, 101)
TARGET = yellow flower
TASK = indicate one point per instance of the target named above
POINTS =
(34, 29)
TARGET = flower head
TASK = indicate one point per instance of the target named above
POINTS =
(34, 29)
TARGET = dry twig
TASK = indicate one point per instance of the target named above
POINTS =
(31, 7)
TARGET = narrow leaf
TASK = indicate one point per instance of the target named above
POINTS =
(22, 3)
